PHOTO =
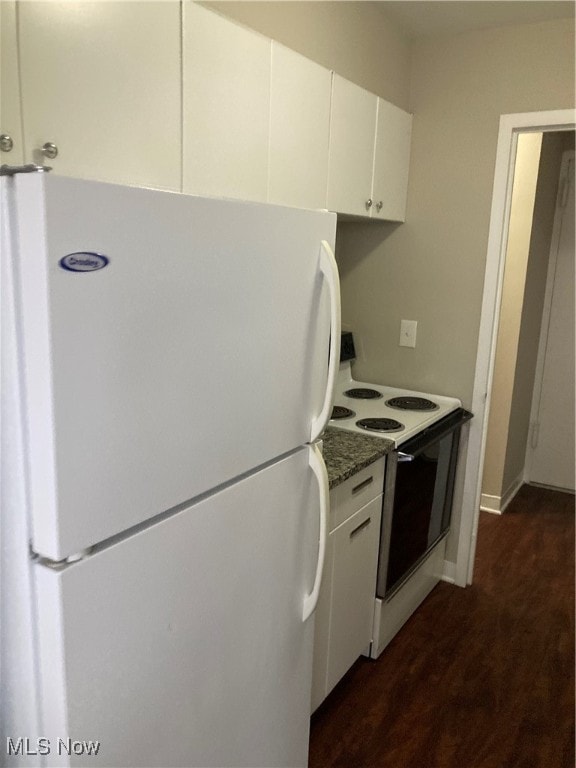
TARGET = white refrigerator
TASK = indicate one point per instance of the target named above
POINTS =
(168, 364)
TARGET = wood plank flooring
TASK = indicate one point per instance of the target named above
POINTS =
(481, 677)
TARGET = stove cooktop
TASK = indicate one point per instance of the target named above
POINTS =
(403, 411)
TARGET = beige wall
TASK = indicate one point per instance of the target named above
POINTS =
(431, 269)
(517, 251)
(353, 38)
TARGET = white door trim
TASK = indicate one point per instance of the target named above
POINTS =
(510, 126)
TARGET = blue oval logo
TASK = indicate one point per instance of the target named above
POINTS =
(83, 261)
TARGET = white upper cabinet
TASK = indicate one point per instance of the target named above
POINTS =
(160, 94)
(391, 162)
(369, 154)
(226, 107)
(299, 130)
(11, 145)
(101, 82)
(352, 130)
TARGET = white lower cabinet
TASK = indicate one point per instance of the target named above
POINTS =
(345, 609)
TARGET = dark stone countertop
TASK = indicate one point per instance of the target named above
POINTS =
(346, 453)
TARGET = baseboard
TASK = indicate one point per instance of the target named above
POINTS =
(497, 504)
(489, 503)
(512, 491)
(552, 487)
(449, 572)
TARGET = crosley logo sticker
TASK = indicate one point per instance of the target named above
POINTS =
(83, 261)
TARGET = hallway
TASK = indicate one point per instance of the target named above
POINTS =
(481, 677)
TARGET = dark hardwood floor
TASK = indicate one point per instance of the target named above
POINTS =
(481, 677)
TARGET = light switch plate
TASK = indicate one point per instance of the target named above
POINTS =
(408, 333)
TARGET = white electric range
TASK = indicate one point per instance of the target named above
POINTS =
(420, 470)
(381, 411)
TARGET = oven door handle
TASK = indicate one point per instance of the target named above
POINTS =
(405, 456)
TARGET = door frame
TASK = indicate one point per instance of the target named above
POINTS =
(510, 126)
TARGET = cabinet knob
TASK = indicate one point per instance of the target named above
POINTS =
(368, 203)
(50, 150)
(379, 205)
(6, 143)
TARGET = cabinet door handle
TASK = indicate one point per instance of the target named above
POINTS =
(379, 206)
(361, 527)
(363, 484)
(368, 203)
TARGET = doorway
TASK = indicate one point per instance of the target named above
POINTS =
(530, 434)
(550, 457)
(510, 128)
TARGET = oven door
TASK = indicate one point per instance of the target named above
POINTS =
(417, 499)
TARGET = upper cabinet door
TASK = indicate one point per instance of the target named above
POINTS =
(11, 147)
(101, 82)
(391, 162)
(352, 131)
(299, 130)
(226, 104)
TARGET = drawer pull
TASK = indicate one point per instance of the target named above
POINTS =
(362, 525)
(363, 484)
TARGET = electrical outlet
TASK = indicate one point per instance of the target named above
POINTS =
(408, 333)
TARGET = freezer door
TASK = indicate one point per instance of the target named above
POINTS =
(184, 645)
(196, 352)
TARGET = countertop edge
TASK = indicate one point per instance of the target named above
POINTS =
(346, 453)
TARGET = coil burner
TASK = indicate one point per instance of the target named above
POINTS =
(363, 393)
(340, 412)
(410, 403)
(380, 425)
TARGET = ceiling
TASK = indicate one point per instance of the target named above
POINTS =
(430, 18)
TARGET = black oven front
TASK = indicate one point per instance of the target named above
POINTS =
(417, 504)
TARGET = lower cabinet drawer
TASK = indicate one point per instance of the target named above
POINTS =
(354, 493)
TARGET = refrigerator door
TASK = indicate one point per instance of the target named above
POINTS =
(18, 713)
(184, 644)
(170, 344)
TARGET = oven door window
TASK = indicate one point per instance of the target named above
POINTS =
(422, 506)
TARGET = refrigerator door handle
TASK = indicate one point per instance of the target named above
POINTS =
(316, 463)
(329, 270)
